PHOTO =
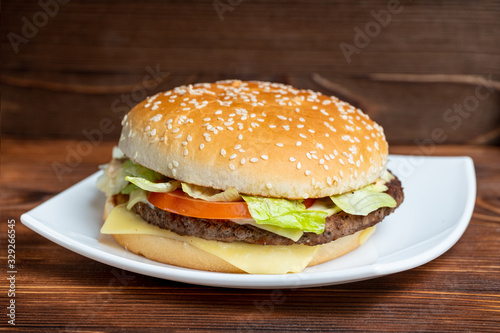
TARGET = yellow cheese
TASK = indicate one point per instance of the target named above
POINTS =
(251, 258)
(365, 234)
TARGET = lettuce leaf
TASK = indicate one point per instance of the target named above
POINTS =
(325, 205)
(285, 214)
(131, 169)
(293, 234)
(147, 185)
(210, 194)
(135, 197)
(136, 170)
(112, 180)
(364, 200)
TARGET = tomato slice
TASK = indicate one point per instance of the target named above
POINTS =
(180, 203)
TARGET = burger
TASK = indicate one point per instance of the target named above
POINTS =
(246, 177)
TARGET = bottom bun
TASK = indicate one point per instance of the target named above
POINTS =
(179, 253)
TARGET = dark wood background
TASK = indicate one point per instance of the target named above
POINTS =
(89, 60)
(430, 77)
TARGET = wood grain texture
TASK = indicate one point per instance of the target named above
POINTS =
(58, 290)
(90, 59)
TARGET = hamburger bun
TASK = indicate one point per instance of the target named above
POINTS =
(263, 139)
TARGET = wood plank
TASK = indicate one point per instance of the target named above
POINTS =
(256, 37)
(83, 60)
(73, 106)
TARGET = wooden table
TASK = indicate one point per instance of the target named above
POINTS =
(56, 289)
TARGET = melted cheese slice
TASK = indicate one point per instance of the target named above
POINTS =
(251, 258)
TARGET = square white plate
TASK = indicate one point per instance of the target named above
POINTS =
(440, 194)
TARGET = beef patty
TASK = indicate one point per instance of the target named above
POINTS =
(337, 225)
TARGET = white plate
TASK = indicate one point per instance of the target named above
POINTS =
(439, 199)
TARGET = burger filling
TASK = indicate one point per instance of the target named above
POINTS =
(228, 216)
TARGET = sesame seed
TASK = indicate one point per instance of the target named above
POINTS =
(201, 146)
(299, 165)
(329, 180)
(325, 166)
(232, 157)
(178, 136)
(264, 157)
(341, 161)
(177, 129)
(156, 118)
(170, 166)
(231, 166)
(305, 195)
(308, 172)
(269, 185)
(280, 145)
(303, 136)
(321, 161)
(298, 143)
(254, 159)
(185, 152)
(207, 138)
(189, 138)
(292, 159)
(302, 119)
(223, 152)
(176, 164)
(242, 161)
(184, 143)
(240, 136)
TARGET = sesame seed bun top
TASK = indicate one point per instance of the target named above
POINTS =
(261, 138)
